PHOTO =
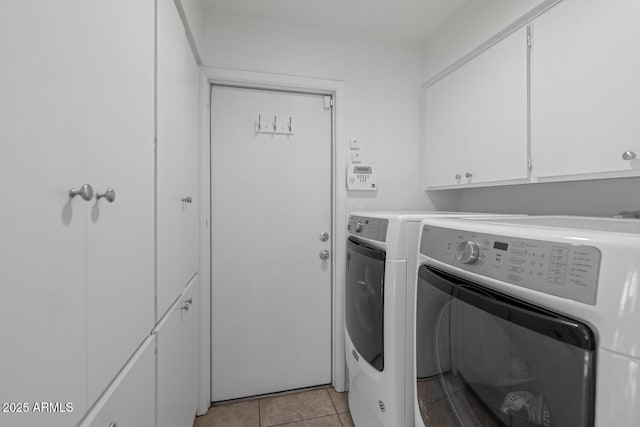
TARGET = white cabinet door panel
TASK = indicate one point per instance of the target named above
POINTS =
(120, 235)
(42, 230)
(476, 128)
(130, 400)
(446, 129)
(178, 360)
(177, 158)
(497, 111)
(585, 90)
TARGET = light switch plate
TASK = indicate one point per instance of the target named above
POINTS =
(355, 157)
(354, 144)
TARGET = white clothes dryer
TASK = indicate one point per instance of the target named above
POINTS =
(535, 322)
(380, 300)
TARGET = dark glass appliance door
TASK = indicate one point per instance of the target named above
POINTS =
(504, 362)
(365, 301)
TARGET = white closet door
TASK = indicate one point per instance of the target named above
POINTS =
(42, 261)
(120, 155)
(177, 158)
(178, 359)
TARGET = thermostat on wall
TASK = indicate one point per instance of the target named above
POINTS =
(362, 177)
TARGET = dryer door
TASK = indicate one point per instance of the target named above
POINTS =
(504, 362)
(365, 301)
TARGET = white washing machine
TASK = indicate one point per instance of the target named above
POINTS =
(535, 322)
(380, 299)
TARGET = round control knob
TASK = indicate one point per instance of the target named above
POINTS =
(359, 226)
(467, 252)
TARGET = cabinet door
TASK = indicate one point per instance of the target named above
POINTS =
(446, 129)
(42, 230)
(120, 234)
(130, 399)
(178, 360)
(585, 91)
(497, 108)
(177, 158)
(476, 118)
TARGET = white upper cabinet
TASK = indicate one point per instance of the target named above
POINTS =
(177, 158)
(476, 119)
(585, 90)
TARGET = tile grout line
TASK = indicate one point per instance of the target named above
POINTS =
(306, 419)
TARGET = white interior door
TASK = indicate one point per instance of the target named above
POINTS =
(271, 199)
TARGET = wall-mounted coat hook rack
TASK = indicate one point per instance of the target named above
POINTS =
(275, 128)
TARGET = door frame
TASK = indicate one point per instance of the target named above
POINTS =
(257, 80)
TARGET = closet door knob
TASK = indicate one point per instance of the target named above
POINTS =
(109, 195)
(468, 174)
(458, 176)
(86, 192)
(628, 155)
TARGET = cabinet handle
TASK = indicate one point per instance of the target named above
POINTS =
(86, 192)
(109, 195)
(458, 176)
(189, 301)
(628, 155)
(468, 174)
(185, 307)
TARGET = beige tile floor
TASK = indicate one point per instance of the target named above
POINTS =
(315, 408)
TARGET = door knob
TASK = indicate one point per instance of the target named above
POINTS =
(628, 155)
(324, 254)
(324, 236)
(468, 174)
(86, 192)
(109, 195)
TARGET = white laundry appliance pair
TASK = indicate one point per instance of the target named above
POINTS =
(533, 321)
(380, 304)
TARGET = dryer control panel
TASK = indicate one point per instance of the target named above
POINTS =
(369, 228)
(561, 269)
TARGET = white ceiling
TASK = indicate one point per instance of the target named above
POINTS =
(407, 21)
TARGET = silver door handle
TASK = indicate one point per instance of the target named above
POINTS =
(109, 195)
(324, 254)
(86, 192)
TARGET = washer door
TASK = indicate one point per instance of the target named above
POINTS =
(365, 301)
(504, 362)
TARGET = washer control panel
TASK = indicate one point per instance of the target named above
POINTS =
(369, 228)
(561, 269)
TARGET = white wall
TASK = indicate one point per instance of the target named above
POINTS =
(192, 14)
(474, 24)
(382, 85)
